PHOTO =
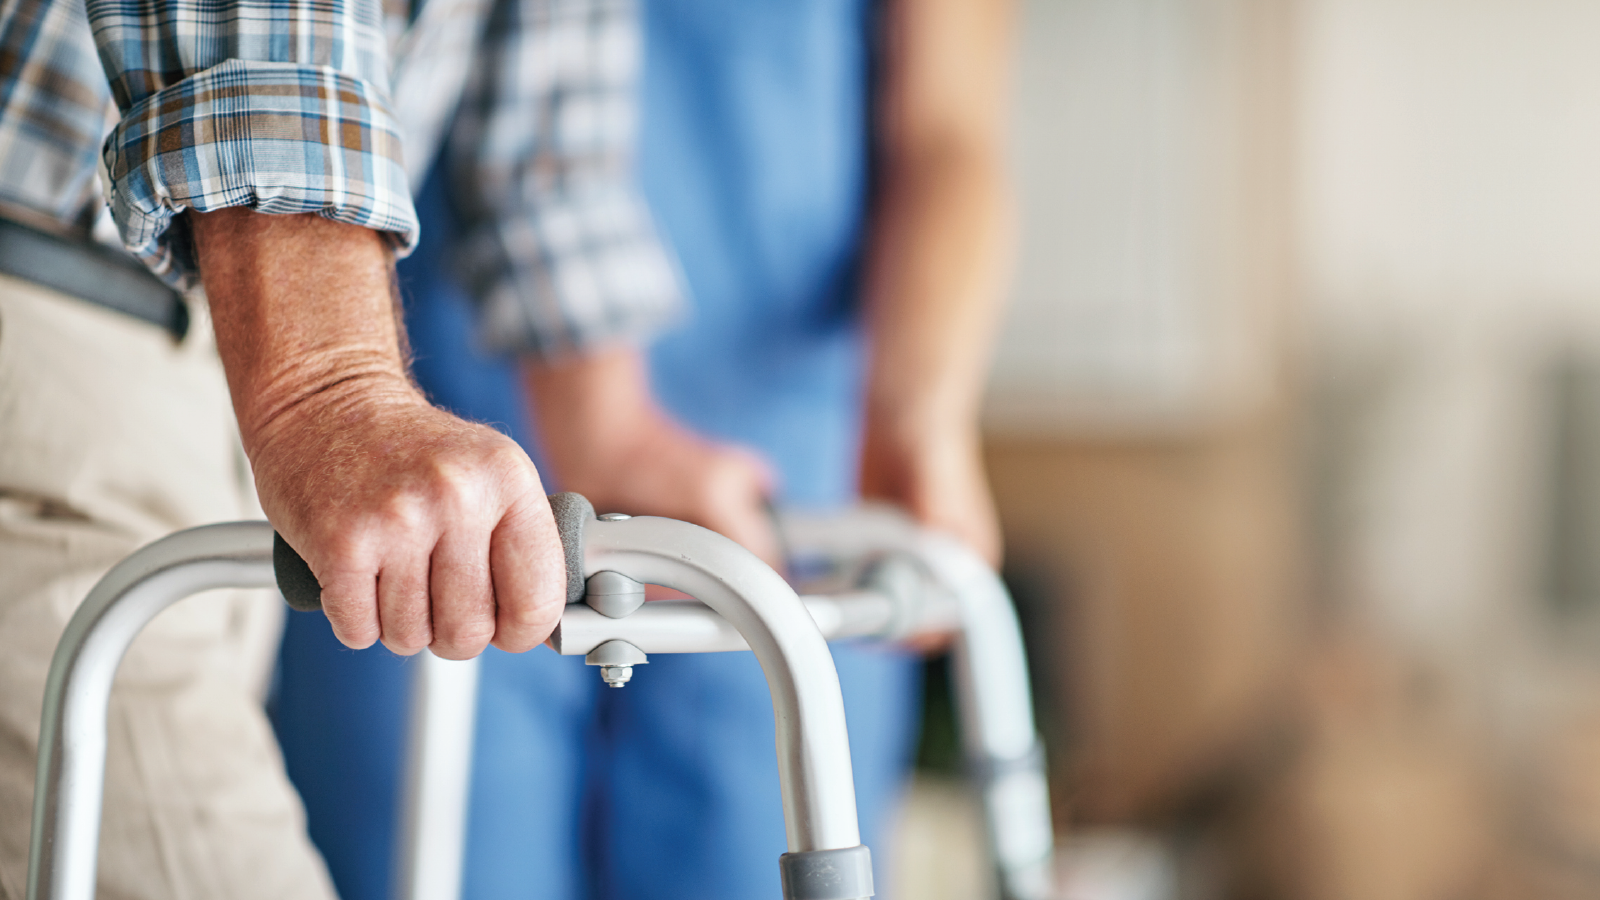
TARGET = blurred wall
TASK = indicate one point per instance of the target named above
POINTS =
(1447, 228)
(1137, 416)
(1150, 150)
(1307, 331)
(1449, 240)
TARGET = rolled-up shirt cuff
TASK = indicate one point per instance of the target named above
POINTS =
(273, 137)
(570, 272)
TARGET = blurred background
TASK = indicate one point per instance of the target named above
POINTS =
(1295, 429)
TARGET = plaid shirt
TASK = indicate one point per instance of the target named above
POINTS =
(289, 106)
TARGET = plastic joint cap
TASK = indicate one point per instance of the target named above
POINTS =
(827, 874)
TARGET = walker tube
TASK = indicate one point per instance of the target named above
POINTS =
(432, 839)
(989, 675)
(72, 736)
(819, 805)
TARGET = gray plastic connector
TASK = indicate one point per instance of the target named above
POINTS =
(827, 874)
(613, 594)
(905, 581)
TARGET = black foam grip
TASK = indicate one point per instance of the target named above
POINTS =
(301, 590)
(295, 580)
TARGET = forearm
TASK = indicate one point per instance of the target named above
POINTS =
(940, 254)
(587, 408)
(606, 437)
(942, 233)
(302, 308)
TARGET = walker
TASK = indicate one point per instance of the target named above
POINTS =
(872, 574)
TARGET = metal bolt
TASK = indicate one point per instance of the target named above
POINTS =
(615, 517)
(616, 660)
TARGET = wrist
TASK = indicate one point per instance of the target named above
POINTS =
(921, 420)
(306, 320)
(333, 402)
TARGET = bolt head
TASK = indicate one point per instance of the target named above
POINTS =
(616, 676)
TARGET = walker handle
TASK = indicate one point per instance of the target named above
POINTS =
(572, 511)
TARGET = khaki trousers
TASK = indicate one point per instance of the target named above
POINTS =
(112, 435)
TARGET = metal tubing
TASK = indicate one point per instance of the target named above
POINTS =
(689, 626)
(995, 705)
(819, 805)
(72, 737)
(444, 706)
(813, 745)
(990, 678)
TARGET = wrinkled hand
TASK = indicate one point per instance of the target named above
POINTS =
(424, 530)
(604, 437)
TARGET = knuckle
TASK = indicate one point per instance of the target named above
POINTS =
(341, 549)
(454, 484)
(402, 513)
(511, 466)
(531, 616)
(542, 610)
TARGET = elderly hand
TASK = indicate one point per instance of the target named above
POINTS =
(424, 530)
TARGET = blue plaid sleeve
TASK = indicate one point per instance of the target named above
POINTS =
(277, 105)
(557, 246)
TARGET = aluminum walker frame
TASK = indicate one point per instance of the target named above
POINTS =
(889, 580)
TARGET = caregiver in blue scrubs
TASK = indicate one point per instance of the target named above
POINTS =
(829, 175)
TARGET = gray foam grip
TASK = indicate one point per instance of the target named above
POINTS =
(572, 511)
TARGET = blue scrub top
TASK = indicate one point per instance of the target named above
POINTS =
(754, 156)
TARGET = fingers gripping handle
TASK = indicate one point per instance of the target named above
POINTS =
(572, 512)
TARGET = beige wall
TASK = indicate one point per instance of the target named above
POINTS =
(1376, 224)
(1139, 445)
(1151, 169)
(1448, 233)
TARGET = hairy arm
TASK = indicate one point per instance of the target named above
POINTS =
(941, 245)
(424, 530)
